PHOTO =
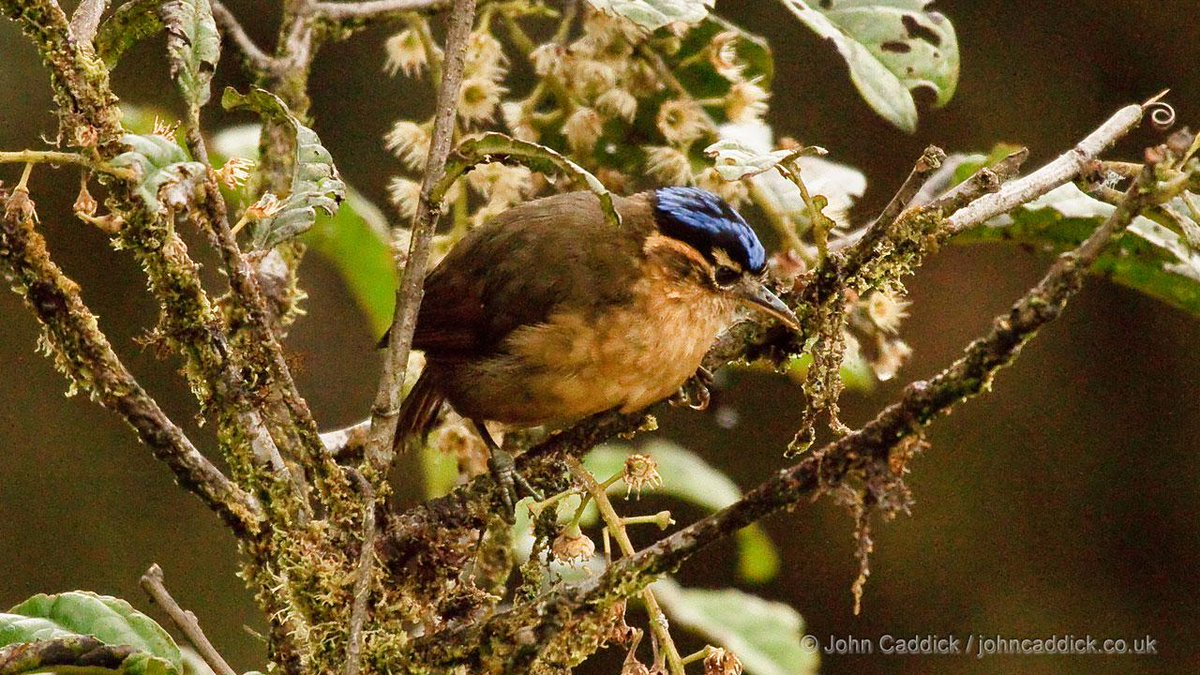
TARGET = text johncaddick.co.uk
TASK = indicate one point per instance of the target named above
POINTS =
(980, 646)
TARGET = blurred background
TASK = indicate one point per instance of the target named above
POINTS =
(1063, 503)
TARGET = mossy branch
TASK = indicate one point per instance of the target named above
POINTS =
(82, 352)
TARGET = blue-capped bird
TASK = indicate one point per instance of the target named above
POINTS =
(549, 312)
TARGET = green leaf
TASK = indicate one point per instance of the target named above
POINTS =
(891, 46)
(654, 14)
(315, 183)
(688, 477)
(1149, 257)
(108, 619)
(764, 635)
(356, 239)
(193, 47)
(129, 24)
(165, 172)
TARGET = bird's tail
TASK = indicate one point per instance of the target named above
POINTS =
(418, 413)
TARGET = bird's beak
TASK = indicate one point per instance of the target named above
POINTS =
(752, 292)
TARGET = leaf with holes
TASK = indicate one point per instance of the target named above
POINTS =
(315, 181)
(766, 636)
(165, 173)
(891, 46)
(193, 47)
(688, 477)
(1150, 257)
(654, 14)
(109, 620)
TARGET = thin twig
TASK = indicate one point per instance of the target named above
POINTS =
(386, 409)
(1061, 170)
(92, 364)
(86, 18)
(616, 526)
(256, 58)
(57, 157)
(929, 162)
(374, 10)
(185, 621)
(362, 581)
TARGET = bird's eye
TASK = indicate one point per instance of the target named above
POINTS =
(726, 276)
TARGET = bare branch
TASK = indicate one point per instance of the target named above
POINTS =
(1061, 170)
(185, 621)
(386, 409)
(374, 10)
(256, 58)
(86, 18)
(82, 351)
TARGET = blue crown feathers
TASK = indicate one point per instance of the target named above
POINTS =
(705, 221)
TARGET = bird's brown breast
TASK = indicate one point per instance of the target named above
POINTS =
(574, 364)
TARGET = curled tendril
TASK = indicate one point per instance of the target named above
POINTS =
(1162, 115)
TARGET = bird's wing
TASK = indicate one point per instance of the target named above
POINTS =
(524, 264)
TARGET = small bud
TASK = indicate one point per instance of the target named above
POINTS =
(517, 121)
(409, 142)
(405, 195)
(267, 206)
(572, 546)
(617, 102)
(887, 310)
(746, 102)
(548, 59)
(721, 661)
(724, 58)
(893, 354)
(165, 129)
(641, 471)
(85, 203)
(663, 519)
(668, 165)
(405, 53)
(478, 99)
(485, 57)
(680, 121)
(235, 172)
(582, 129)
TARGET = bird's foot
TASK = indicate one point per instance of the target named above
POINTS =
(695, 392)
(513, 485)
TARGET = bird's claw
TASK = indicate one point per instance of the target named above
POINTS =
(512, 484)
(696, 391)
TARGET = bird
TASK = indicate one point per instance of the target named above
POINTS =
(550, 312)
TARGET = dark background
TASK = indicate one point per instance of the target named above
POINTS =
(1063, 503)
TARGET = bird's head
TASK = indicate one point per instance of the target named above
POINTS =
(731, 260)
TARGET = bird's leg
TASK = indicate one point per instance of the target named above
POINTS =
(695, 392)
(504, 471)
